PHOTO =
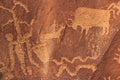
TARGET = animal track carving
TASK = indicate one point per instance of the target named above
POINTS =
(77, 68)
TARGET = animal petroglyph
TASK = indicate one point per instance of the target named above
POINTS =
(77, 68)
(113, 6)
(87, 18)
(93, 57)
(43, 50)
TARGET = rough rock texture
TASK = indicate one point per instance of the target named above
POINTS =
(59, 40)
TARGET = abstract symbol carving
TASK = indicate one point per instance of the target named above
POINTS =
(77, 68)
(93, 57)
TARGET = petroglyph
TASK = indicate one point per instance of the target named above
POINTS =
(117, 56)
(9, 37)
(113, 6)
(21, 40)
(64, 67)
(93, 57)
(20, 4)
(18, 50)
(108, 78)
(44, 49)
(8, 22)
(14, 18)
(87, 18)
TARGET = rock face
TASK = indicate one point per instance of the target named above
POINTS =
(59, 40)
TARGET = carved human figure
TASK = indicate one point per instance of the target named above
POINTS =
(19, 51)
(11, 44)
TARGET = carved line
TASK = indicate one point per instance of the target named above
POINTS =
(77, 68)
(74, 59)
(8, 22)
(21, 4)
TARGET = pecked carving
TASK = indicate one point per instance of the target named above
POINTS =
(87, 18)
(43, 49)
(117, 57)
(36, 47)
(93, 57)
(77, 68)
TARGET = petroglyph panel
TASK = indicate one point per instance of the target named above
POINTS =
(59, 40)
